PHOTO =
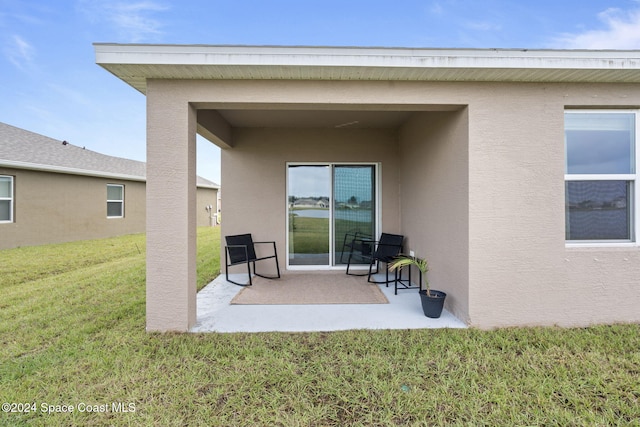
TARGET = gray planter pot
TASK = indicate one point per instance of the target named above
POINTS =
(432, 305)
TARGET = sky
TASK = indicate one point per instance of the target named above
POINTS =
(50, 84)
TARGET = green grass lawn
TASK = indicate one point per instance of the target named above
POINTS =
(72, 333)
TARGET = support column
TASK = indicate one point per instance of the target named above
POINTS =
(171, 210)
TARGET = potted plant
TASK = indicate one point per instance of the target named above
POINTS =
(432, 300)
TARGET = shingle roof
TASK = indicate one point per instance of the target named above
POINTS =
(28, 150)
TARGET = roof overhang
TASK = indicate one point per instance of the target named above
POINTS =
(135, 63)
(15, 164)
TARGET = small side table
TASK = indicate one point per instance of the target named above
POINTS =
(406, 283)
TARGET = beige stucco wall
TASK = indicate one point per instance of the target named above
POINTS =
(171, 193)
(434, 184)
(206, 197)
(521, 272)
(55, 208)
(254, 172)
(516, 205)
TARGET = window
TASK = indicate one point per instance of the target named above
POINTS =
(6, 198)
(600, 176)
(115, 201)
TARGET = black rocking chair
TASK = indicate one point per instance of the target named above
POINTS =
(241, 249)
(374, 252)
(386, 249)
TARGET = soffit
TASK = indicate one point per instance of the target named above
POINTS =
(314, 118)
(134, 64)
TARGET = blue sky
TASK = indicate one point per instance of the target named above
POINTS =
(50, 84)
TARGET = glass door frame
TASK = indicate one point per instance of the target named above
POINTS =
(377, 167)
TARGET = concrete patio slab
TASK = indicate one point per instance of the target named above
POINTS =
(216, 314)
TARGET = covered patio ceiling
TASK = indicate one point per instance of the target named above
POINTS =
(282, 115)
(314, 118)
(217, 124)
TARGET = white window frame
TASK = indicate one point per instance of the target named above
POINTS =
(121, 201)
(11, 199)
(633, 178)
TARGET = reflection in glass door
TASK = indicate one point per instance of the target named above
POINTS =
(308, 200)
(328, 205)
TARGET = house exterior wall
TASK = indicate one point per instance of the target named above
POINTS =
(255, 172)
(56, 208)
(513, 267)
(171, 191)
(516, 200)
(521, 272)
(206, 197)
(434, 184)
(480, 190)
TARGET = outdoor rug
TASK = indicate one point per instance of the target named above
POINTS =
(311, 288)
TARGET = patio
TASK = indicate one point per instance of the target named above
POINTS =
(216, 314)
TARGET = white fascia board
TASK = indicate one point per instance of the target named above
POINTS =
(365, 57)
(71, 171)
(209, 186)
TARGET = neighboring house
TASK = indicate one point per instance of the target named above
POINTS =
(513, 171)
(52, 191)
(310, 203)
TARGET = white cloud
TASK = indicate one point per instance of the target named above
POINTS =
(622, 31)
(19, 51)
(482, 26)
(436, 9)
(133, 21)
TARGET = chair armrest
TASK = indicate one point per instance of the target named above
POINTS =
(390, 245)
(366, 240)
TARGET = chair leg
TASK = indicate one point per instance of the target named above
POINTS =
(386, 281)
(395, 282)
(226, 272)
(277, 265)
(349, 266)
(348, 263)
(372, 273)
(268, 277)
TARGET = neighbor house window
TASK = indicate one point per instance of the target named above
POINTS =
(115, 201)
(6, 198)
(600, 176)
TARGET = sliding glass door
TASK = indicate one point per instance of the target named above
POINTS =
(328, 205)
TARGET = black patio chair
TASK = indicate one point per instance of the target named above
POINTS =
(386, 249)
(241, 249)
(375, 252)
